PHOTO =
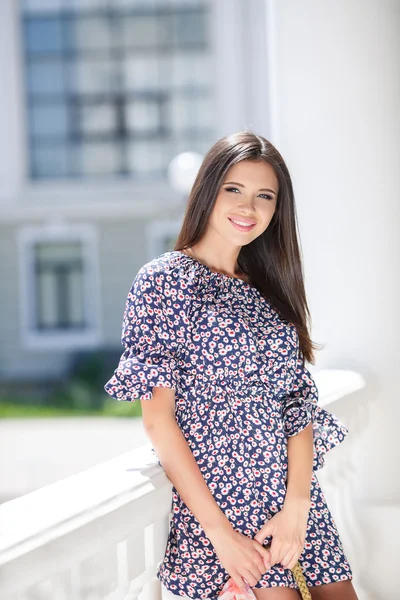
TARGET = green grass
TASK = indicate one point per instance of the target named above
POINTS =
(111, 408)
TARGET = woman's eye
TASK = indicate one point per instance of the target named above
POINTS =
(268, 196)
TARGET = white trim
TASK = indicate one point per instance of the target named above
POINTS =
(228, 68)
(243, 43)
(60, 232)
(271, 26)
(109, 207)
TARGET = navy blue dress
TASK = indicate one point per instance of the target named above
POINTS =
(240, 391)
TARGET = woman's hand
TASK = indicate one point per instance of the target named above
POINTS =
(242, 557)
(288, 529)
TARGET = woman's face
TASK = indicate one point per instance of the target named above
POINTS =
(249, 193)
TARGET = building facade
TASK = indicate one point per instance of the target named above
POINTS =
(98, 97)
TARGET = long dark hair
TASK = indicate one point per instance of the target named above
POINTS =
(271, 261)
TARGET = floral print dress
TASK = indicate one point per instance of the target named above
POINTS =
(240, 390)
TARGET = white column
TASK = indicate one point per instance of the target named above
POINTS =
(238, 39)
(338, 87)
(337, 91)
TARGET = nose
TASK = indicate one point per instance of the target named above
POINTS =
(245, 208)
(246, 205)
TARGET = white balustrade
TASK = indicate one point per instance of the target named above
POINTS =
(100, 534)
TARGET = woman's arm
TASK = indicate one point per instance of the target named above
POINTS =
(288, 527)
(178, 461)
(300, 466)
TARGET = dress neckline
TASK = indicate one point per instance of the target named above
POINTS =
(223, 275)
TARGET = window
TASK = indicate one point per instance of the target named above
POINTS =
(117, 87)
(59, 286)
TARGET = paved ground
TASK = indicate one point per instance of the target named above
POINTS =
(36, 452)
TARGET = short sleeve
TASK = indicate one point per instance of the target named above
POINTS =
(300, 408)
(149, 337)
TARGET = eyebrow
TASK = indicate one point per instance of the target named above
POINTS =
(241, 185)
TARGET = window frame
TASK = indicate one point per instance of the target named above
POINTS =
(69, 145)
(32, 338)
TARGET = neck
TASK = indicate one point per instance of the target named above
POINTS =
(214, 265)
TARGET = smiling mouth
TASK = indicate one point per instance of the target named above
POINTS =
(239, 225)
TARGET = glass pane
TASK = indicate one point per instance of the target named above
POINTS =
(178, 114)
(91, 33)
(147, 157)
(165, 69)
(75, 298)
(49, 119)
(47, 313)
(100, 158)
(58, 252)
(190, 71)
(142, 73)
(190, 28)
(49, 160)
(143, 116)
(93, 76)
(166, 30)
(98, 119)
(46, 77)
(140, 31)
(203, 111)
(44, 35)
(193, 113)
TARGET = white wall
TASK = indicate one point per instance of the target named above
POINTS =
(336, 72)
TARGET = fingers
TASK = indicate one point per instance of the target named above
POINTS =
(289, 560)
(266, 556)
(254, 569)
(238, 580)
(271, 556)
(250, 577)
(275, 552)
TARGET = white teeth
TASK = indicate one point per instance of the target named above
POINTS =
(242, 223)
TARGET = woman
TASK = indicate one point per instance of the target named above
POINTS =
(215, 335)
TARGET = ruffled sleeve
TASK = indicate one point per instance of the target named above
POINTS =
(150, 341)
(300, 408)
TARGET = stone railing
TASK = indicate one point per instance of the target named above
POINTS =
(100, 534)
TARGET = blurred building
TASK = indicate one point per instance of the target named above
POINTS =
(97, 97)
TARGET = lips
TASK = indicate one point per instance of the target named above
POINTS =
(248, 221)
(248, 227)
